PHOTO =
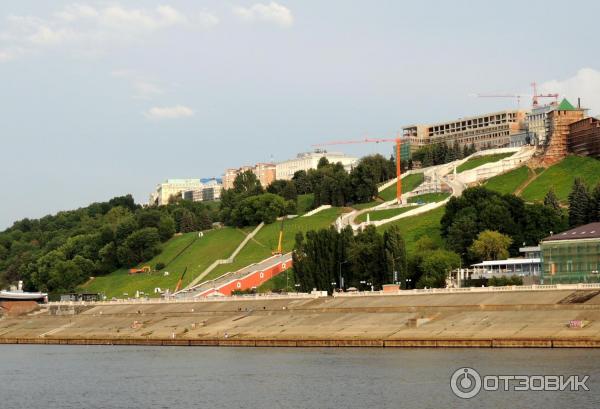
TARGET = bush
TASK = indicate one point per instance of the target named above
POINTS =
(159, 266)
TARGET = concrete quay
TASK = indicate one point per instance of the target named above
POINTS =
(542, 319)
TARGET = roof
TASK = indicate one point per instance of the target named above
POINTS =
(565, 105)
(587, 231)
(509, 262)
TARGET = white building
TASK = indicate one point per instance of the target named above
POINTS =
(309, 160)
(537, 123)
(173, 187)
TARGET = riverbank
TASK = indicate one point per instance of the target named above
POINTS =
(541, 319)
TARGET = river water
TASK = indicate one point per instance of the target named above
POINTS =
(44, 376)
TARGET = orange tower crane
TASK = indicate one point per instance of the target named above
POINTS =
(398, 141)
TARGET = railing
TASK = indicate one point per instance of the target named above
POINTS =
(512, 288)
(135, 301)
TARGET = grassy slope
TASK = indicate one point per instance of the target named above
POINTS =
(412, 228)
(409, 183)
(214, 245)
(429, 197)
(508, 182)
(482, 160)
(265, 241)
(561, 177)
(383, 214)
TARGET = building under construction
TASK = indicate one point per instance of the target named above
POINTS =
(493, 130)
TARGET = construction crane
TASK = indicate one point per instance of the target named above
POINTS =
(279, 250)
(398, 141)
(180, 282)
(534, 98)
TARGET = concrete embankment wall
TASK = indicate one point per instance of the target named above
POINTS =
(502, 319)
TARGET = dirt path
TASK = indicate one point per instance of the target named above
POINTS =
(532, 176)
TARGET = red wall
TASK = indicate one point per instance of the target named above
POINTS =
(253, 279)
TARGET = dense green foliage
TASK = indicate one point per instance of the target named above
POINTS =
(247, 204)
(440, 153)
(57, 253)
(331, 184)
(324, 257)
(479, 209)
(584, 206)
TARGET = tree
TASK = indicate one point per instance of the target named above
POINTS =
(166, 227)
(139, 246)
(302, 182)
(579, 204)
(395, 254)
(247, 183)
(595, 205)
(551, 200)
(490, 245)
(435, 267)
(256, 209)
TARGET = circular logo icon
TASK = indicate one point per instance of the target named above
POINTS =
(465, 383)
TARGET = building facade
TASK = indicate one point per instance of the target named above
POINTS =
(210, 190)
(265, 172)
(493, 130)
(584, 137)
(572, 256)
(173, 187)
(309, 160)
(536, 123)
(559, 121)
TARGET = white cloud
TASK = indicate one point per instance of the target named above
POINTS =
(92, 30)
(174, 112)
(585, 85)
(272, 13)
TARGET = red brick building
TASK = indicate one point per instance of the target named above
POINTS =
(584, 137)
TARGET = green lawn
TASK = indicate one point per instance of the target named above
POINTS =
(482, 160)
(305, 202)
(265, 241)
(409, 183)
(383, 214)
(361, 206)
(561, 176)
(429, 197)
(414, 227)
(198, 256)
(508, 182)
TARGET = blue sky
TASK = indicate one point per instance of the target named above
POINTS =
(104, 98)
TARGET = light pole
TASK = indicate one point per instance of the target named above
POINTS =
(333, 284)
(407, 281)
(340, 273)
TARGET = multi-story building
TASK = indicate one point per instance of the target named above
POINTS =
(231, 174)
(210, 190)
(572, 256)
(584, 137)
(536, 122)
(493, 130)
(265, 172)
(172, 187)
(309, 160)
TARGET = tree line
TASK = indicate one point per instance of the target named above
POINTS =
(56, 253)
(440, 153)
(327, 259)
